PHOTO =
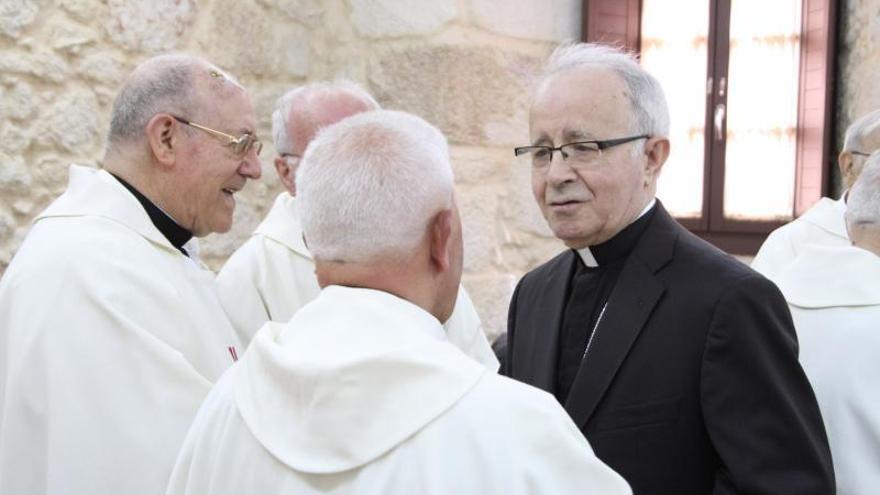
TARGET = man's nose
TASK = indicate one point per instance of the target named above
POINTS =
(559, 171)
(251, 166)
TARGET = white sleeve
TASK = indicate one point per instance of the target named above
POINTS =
(776, 252)
(561, 461)
(240, 292)
(95, 400)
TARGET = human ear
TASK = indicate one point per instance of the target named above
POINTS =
(845, 164)
(440, 232)
(286, 174)
(657, 151)
(162, 138)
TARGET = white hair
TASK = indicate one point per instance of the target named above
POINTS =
(863, 202)
(646, 97)
(856, 132)
(369, 185)
(165, 83)
(304, 95)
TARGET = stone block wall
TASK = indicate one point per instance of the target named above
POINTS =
(463, 65)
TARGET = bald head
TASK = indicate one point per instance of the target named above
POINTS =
(175, 83)
(302, 112)
(182, 133)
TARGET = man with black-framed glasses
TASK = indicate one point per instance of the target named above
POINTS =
(678, 363)
(111, 331)
(823, 224)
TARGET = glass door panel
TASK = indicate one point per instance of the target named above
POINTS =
(760, 153)
(674, 50)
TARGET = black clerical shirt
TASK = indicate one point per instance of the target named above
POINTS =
(588, 292)
(176, 235)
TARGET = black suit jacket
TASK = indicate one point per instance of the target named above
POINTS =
(692, 384)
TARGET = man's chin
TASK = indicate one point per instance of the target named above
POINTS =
(575, 237)
(578, 241)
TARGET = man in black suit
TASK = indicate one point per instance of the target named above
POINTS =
(678, 363)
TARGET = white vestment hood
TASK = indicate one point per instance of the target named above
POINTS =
(325, 399)
(834, 296)
(831, 276)
(828, 215)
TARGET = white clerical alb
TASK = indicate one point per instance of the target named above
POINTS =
(823, 224)
(374, 399)
(272, 275)
(110, 338)
(834, 297)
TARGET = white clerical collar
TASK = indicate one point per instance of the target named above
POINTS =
(587, 255)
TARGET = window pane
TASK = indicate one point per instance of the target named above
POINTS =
(762, 109)
(674, 51)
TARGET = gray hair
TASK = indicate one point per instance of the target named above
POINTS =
(646, 97)
(369, 185)
(856, 132)
(863, 202)
(304, 95)
(165, 83)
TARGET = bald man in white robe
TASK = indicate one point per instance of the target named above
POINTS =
(111, 333)
(834, 296)
(823, 224)
(271, 276)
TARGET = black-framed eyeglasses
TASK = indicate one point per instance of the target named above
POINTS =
(240, 145)
(583, 153)
(860, 153)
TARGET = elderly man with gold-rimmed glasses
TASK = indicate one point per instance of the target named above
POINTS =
(111, 333)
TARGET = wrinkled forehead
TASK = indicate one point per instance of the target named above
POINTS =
(580, 104)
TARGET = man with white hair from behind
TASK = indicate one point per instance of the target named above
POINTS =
(361, 391)
(272, 275)
(834, 296)
(824, 222)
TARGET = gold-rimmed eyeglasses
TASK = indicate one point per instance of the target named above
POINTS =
(240, 145)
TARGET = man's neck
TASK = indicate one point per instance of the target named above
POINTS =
(400, 279)
(150, 187)
(164, 223)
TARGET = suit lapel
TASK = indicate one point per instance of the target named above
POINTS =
(635, 294)
(539, 368)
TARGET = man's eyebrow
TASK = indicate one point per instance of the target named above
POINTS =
(578, 135)
(568, 136)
